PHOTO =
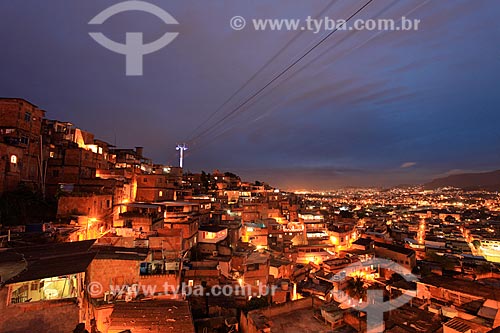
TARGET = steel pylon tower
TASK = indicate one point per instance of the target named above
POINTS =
(181, 148)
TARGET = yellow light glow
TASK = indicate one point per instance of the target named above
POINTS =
(314, 259)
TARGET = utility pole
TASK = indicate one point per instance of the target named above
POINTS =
(42, 168)
(181, 148)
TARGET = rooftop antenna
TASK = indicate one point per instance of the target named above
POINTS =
(181, 148)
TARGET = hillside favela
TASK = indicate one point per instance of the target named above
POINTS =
(249, 167)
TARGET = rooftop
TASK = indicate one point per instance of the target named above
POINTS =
(177, 203)
(395, 248)
(49, 260)
(257, 258)
(211, 228)
(298, 321)
(57, 266)
(120, 253)
(48, 251)
(17, 99)
(363, 241)
(462, 325)
(412, 319)
(474, 288)
(276, 262)
(157, 316)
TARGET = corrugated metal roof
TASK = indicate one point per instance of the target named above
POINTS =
(50, 260)
(36, 252)
(458, 325)
(57, 266)
(121, 253)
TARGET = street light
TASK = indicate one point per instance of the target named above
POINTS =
(90, 220)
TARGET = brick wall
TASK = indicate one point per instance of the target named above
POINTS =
(43, 316)
(171, 242)
(12, 112)
(151, 194)
(304, 303)
(149, 187)
(92, 205)
(113, 272)
(247, 322)
(10, 174)
(26, 119)
(160, 283)
(352, 319)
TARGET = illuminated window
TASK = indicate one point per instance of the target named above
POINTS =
(160, 193)
(13, 159)
(210, 235)
(190, 283)
(45, 289)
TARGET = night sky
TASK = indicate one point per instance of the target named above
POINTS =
(364, 108)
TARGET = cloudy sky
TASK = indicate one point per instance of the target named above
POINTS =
(364, 108)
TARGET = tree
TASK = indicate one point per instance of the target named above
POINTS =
(23, 206)
(204, 178)
(357, 288)
(230, 174)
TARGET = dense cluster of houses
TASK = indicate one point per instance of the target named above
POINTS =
(135, 237)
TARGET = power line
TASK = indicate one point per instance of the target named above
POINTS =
(259, 71)
(345, 53)
(281, 73)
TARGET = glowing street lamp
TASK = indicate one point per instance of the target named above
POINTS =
(90, 221)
